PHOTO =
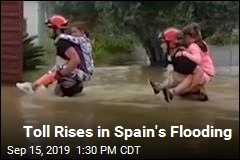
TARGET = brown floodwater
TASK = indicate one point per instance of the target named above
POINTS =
(120, 96)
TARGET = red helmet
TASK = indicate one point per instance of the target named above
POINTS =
(171, 34)
(57, 22)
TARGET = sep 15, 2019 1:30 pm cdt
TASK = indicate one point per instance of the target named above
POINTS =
(81, 150)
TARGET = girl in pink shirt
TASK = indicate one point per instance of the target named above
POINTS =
(198, 52)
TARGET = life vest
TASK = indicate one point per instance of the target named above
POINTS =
(84, 44)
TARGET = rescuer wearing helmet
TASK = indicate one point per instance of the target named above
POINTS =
(69, 70)
(184, 69)
(57, 25)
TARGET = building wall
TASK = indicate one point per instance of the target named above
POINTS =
(30, 12)
(11, 41)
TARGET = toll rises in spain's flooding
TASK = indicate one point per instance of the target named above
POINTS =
(126, 133)
(209, 131)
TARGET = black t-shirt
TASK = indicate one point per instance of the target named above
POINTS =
(183, 64)
(63, 44)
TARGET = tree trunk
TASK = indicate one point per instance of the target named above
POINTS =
(154, 52)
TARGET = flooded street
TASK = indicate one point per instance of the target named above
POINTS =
(120, 96)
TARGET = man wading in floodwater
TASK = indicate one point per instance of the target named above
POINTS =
(70, 69)
(187, 76)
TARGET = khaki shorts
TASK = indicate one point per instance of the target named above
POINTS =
(175, 78)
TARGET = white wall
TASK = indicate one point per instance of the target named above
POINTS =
(31, 15)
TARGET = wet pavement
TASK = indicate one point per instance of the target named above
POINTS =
(120, 96)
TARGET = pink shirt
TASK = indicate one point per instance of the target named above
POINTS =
(203, 59)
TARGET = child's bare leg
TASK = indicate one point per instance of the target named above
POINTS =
(182, 87)
(197, 81)
(172, 80)
(169, 82)
(189, 83)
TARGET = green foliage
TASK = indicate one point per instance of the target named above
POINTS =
(223, 39)
(213, 16)
(109, 47)
(76, 10)
(50, 50)
(145, 19)
(32, 54)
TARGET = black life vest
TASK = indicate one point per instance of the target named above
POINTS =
(182, 64)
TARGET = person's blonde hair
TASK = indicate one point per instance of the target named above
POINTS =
(193, 30)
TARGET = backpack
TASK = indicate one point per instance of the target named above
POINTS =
(85, 44)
